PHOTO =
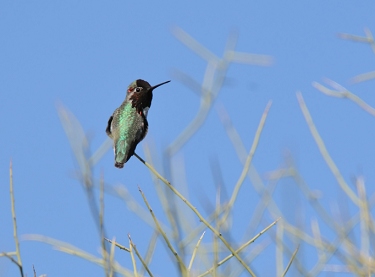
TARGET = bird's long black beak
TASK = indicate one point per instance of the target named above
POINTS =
(154, 87)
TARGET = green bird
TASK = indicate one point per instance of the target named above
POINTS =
(128, 125)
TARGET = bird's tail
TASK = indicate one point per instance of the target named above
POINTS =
(119, 165)
(121, 153)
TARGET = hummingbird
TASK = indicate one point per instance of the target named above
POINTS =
(128, 124)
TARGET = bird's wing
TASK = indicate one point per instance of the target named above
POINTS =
(108, 130)
(145, 130)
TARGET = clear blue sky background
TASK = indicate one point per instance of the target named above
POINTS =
(85, 53)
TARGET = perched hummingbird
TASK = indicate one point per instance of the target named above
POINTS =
(128, 125)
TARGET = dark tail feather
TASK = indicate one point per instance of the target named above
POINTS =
(119, 165)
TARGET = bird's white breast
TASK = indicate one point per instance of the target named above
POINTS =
(145, 111)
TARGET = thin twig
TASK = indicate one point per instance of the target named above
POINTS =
(195, 251)
(101, 226)
(112, 257)
(323, 150)
(354, 38)
(177, 219)
(136, 207)
(150, 249)
(4, 254)
(170, 246)
(246, 167)
(299, 266)
(370, 38)
(318, 240)
(215, 239)
(194, 45)
(15, 236)
(365, 223)
(255, 252)
(139, 256)
(290, 262)
(265, 192)
(118, 245)
(133, 259)
(9, 256)
(363, 77)
(279, 248)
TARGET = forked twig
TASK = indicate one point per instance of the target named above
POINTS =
(241, 248)
(213, 79)
(344, 93)
(139, 256)
(160, 230)
(75, 251)
(195, 210)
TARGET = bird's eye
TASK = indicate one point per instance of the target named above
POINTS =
(137, 89)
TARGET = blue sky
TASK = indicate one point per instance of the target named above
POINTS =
(84, 54)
